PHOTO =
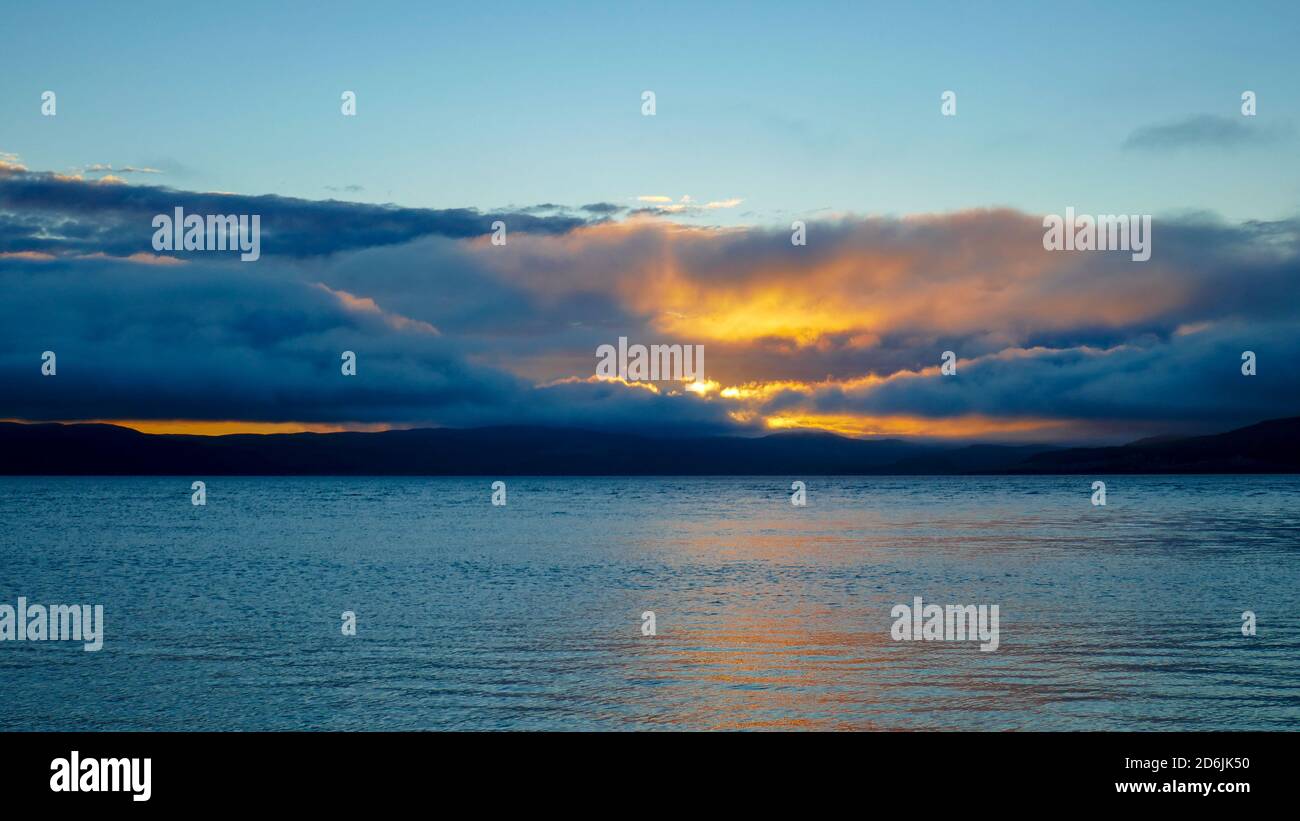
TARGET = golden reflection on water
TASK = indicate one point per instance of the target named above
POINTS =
(807, 663)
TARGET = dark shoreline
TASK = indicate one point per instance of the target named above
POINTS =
(1271, 447)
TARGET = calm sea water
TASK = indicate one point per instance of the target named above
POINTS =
(227, 617)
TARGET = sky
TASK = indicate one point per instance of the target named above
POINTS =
(924, 230)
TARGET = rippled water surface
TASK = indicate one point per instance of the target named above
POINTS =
(527, 616)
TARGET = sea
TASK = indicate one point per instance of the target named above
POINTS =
(1174, 606)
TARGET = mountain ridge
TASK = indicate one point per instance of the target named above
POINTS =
(1272, 446)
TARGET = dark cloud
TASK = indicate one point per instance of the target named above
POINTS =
(1208, 130)
(598, 209)
(1191, 381)
(58, 214)
(607, 209)
(213, 341)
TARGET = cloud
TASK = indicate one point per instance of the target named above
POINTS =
(843, 334)
(684, 207)
(1148, 385)
(1206, 130)
(223, 342)
(100, 168)
(55, 213)
(603, 208)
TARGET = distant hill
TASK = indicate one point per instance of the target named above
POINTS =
(52, 449)
(111, 450)
(1268, 447)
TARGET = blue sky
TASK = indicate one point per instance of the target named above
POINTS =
(796, 111)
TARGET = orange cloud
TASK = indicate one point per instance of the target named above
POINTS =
(202, 427)
(975, 272)
(366, 305)
(960, 427)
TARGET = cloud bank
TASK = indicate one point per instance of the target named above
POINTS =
(842, 334)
